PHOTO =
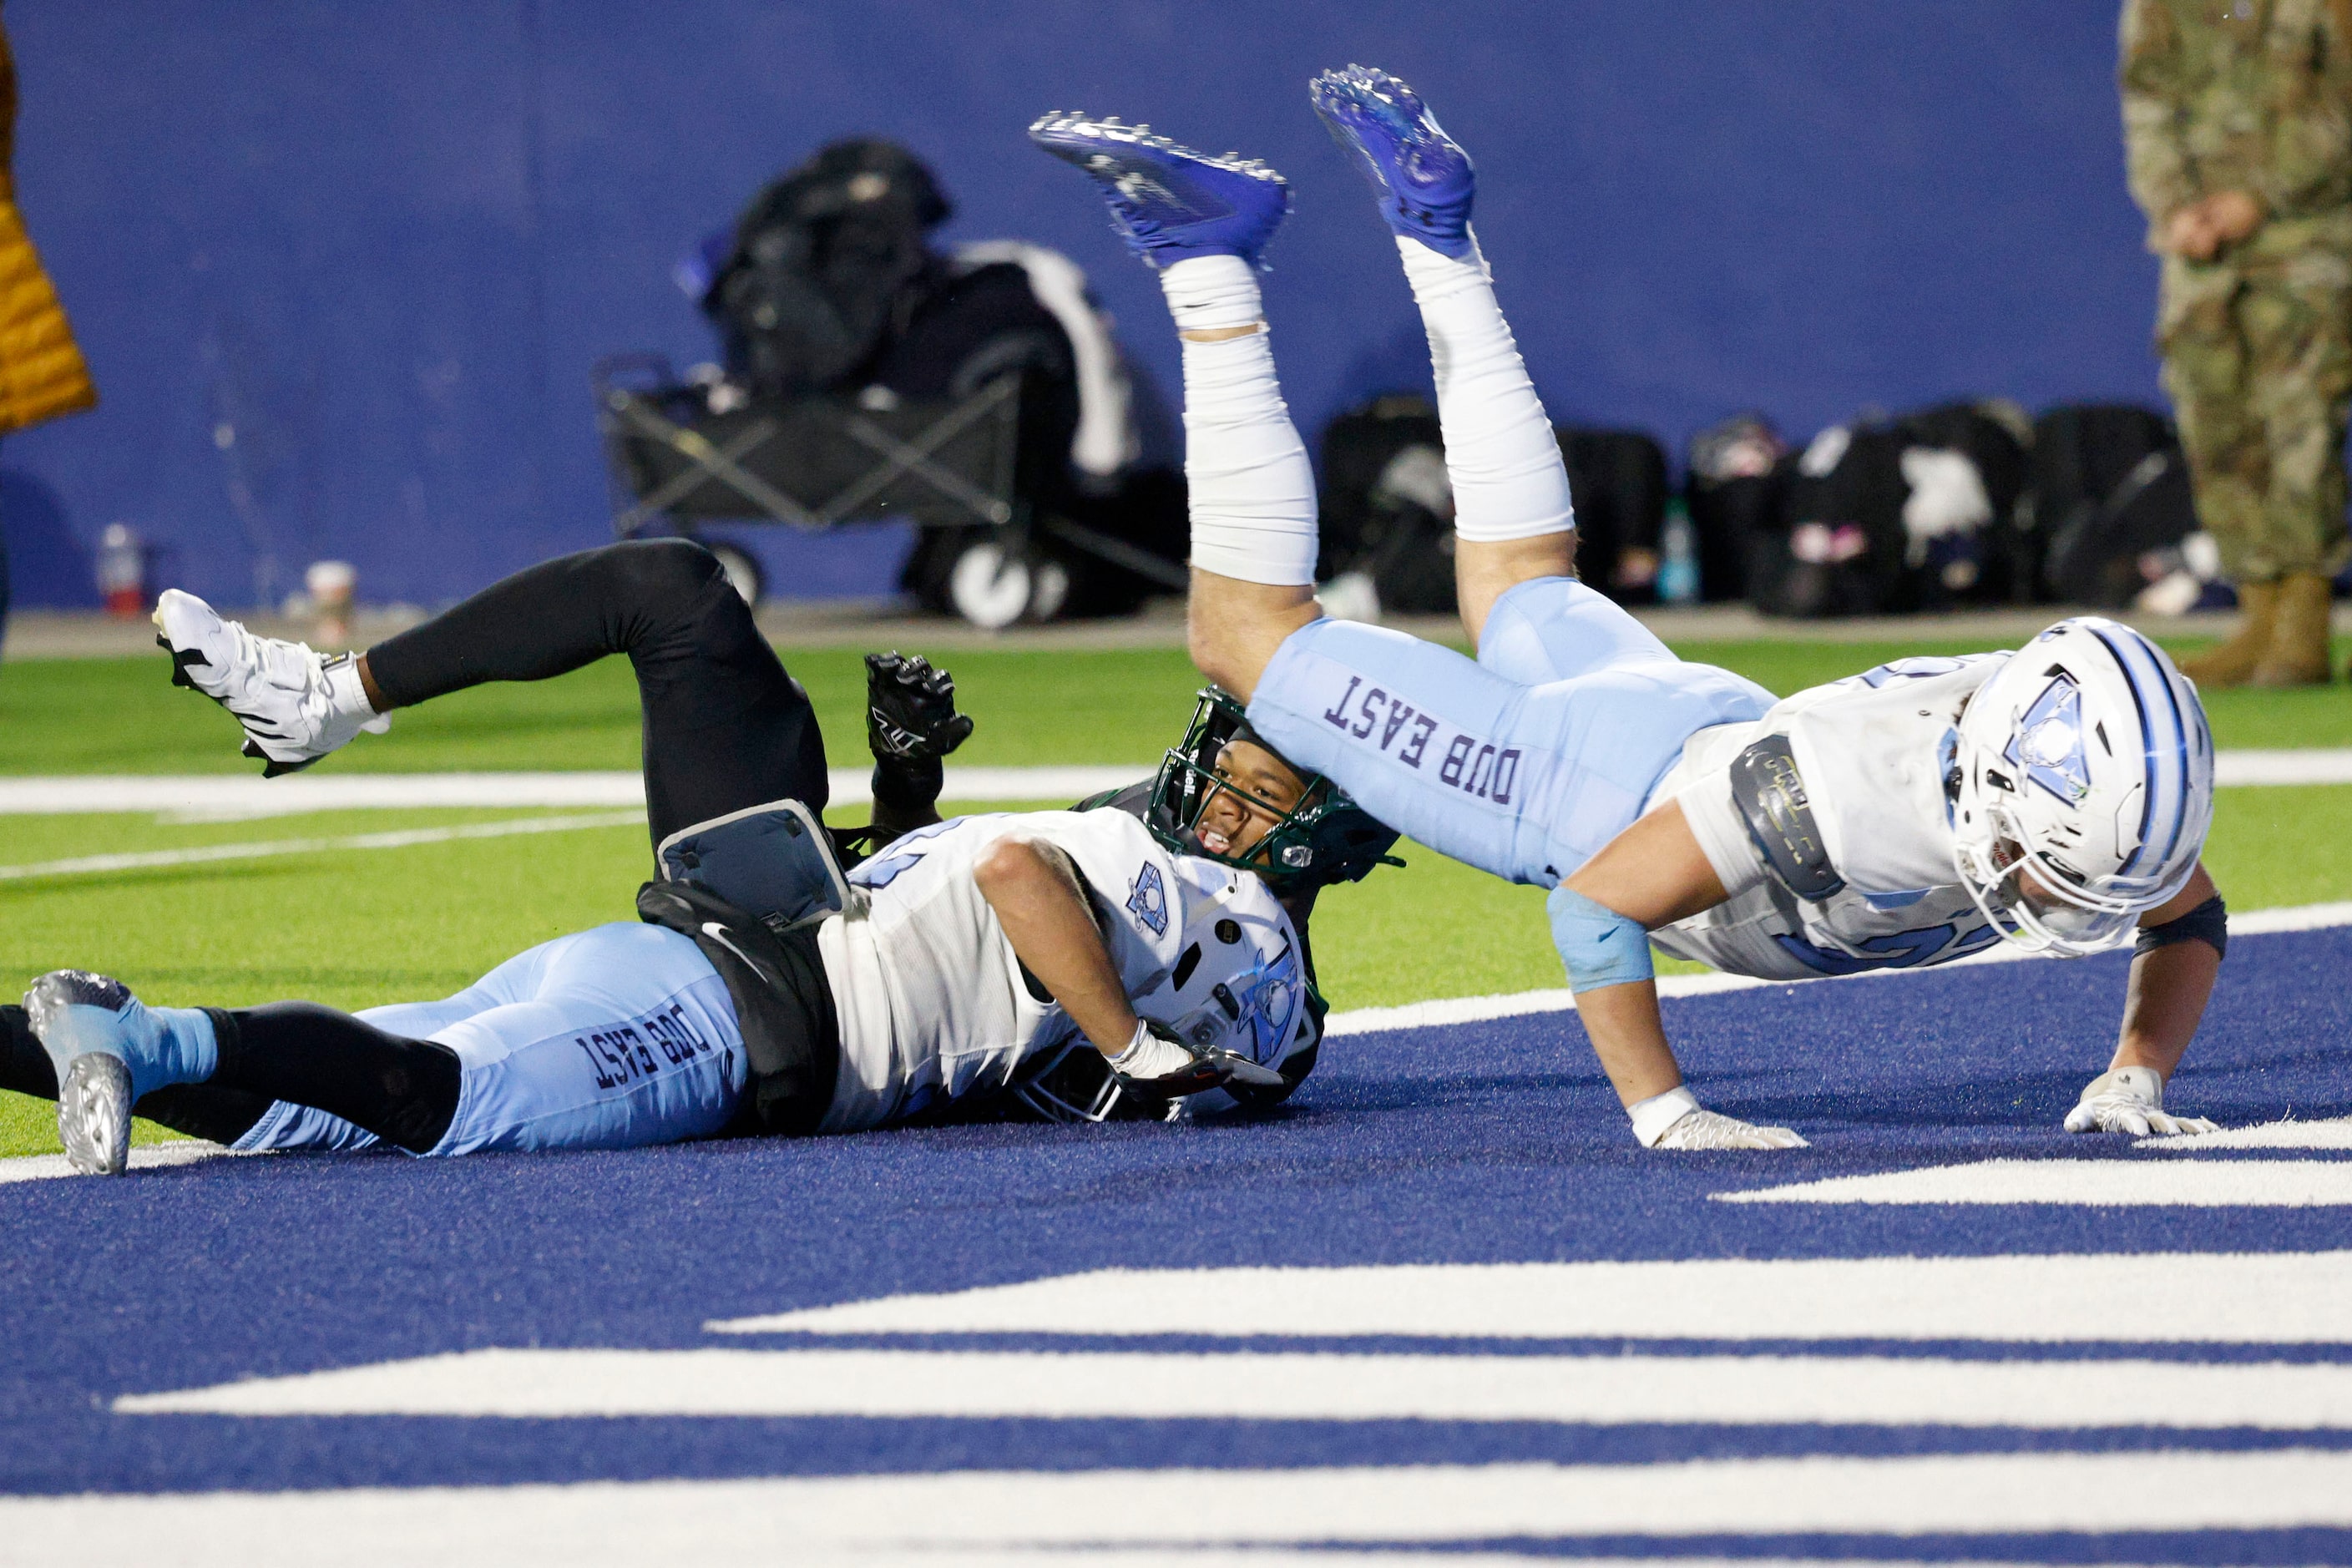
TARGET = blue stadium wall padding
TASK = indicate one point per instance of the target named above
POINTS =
(340, 270)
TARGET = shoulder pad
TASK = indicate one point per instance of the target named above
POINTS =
(1771, 794)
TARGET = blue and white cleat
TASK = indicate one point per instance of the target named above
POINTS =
(1166, 201)
(296, 704)
(108, 1048)
(1421, 175)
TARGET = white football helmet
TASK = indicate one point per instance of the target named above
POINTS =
(2085, 787)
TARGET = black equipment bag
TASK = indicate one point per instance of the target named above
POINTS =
(827, 260)
(1891, 517)
(1836, 548)
(1993, 562)
(1386, 507)
(1739, 478)
(1618, 479)
(2109, 486)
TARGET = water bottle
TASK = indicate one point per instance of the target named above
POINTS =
(1678, 572)
(122, 570)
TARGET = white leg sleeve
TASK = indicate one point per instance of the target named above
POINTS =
(1500, 452)
(1252, 487)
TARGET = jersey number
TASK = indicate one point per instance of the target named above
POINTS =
(1903, 950)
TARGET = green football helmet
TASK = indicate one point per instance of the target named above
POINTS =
(1324, 838)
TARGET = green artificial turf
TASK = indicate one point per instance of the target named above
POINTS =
(1033, 706)
(359, 928)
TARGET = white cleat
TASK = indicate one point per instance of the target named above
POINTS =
(296, 704)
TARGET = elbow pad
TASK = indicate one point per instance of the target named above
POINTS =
(1600, 946)
(2208, 923)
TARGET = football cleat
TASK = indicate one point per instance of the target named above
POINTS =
(1421, 175)
(108, 1048)
(294, 704)
(77, 1018)
(1166, 201)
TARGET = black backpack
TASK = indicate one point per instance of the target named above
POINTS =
(2109, 485)
(1386, 507)
(1845, 542)
(1993, 562)
(827, 261)
(1739, 471)
(1618, 481)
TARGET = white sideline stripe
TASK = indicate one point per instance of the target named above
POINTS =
(91, 865)
(2335, 1134)
(2252, 1297)
(206, 797)
(147, 1157)
(1522, 1003)
(228, 796)
(2319, 765)
(2097, 1183)
(1745, 1390)
(932, 1517)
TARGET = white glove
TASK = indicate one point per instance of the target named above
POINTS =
(2129, 1100)
(1156, 1062)
(1675, 1120)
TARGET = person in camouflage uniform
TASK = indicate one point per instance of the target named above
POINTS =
(2238, 125)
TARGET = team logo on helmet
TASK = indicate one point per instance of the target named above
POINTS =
(1147, 899)
(2048, 745)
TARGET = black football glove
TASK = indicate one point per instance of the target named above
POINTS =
(911, 712)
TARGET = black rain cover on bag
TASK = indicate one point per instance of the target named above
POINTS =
(826, 261)
(2109, 486)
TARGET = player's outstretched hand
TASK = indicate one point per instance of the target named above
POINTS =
(1156, 1063)
(911, 712)
(2130, 1100)
(1713, 1130)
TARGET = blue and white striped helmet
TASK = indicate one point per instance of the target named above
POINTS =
(2085, 787)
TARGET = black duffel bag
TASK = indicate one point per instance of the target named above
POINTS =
(2109, 486)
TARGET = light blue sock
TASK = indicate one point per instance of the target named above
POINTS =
(181, 1046)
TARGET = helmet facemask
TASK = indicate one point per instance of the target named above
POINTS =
(2032, 901)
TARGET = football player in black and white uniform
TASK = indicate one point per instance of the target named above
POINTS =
(961, 968)
(2057, 797)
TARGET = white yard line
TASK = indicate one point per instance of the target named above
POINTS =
(2221, 1297)
(148, 1157)
(2319, 765)
(949, 1518)
(92, 865)
(2084, 1183)
(232, 797)
(2043, 1395)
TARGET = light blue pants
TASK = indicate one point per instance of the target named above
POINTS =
(610, 1038)
(1523, 764)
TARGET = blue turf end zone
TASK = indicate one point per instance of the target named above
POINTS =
(1490, 1142)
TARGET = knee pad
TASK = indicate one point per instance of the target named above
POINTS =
(1600, 946)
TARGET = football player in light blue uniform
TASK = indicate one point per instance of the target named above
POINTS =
(1910, 815)
(978, 960)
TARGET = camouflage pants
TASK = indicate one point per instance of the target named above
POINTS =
(2259, 366)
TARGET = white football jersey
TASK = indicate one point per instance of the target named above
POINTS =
(1873, 750)
(932, 1001)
